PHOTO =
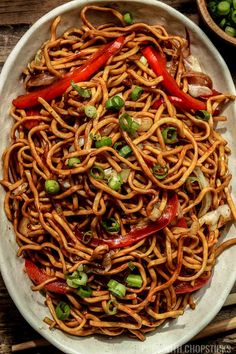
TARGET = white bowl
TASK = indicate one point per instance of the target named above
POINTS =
(30, 304)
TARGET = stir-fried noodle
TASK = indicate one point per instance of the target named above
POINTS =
(117, 182)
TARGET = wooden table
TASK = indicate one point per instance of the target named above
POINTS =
(16, 16)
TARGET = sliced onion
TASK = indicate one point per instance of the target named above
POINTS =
(23, 226)
(207, 199)
(125, 174)
(65, 183)
(106, 263)
(81, 141)
(198, 78)
(155, 214)
(20, 190)
(106, 130)
(43, 79)
(145, 123)
(212, 217)
(72, 148)
(192, 64)
(186, 48)
(108, 172)
(198, 91)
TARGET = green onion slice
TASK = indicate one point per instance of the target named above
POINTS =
(111, 225)
(116, 288)
(84, 291)
(233, 16)
(115, 181)
(128, 124)
(134, 280)
(85, 93)
(112, 283)
(223, 8)
(111, 307)
(76, 279)
(90, 111)
(87, 237)
(118, 145)
(231, 31)
(202, 114)
(128, 18)
(97, 172)
(136, 93)
(131, 266)
(52, 186)
(62, 311)
(115, 103)
(170, 135)
(160, 172)
(104, 141)
(73, 161)
(125, 151)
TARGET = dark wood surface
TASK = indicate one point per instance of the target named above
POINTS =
(16, 16)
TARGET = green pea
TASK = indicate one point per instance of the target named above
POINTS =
(73, 161)
(52, 186)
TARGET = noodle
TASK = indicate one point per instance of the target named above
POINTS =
(87, 226)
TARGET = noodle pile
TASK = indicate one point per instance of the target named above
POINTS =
(48, 226)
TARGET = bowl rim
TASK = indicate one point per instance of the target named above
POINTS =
(6, 68)
(212, 24)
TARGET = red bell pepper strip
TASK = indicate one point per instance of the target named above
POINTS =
(158, 64)
(176, 101)
(84, 72)
(38, 277)
(140, 233)
(29, 124)
(186, 288)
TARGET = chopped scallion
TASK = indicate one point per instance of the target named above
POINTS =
(136, 93)
(116, 288)
(134, 280)
(87, 236)
(115, 181)
(128, 124)
(131, 266)
(97, 172)
(84, 291)
(159, 171)
(90, 111)
(231, 31)
(104, 141)
(125, 151)
(115, 103)
(111, 307)
(85, 93)
(76, 279)
(223, 8)
(202, 114)
(111, 225)
(128, 18)
(62, 311)
(169, 135)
